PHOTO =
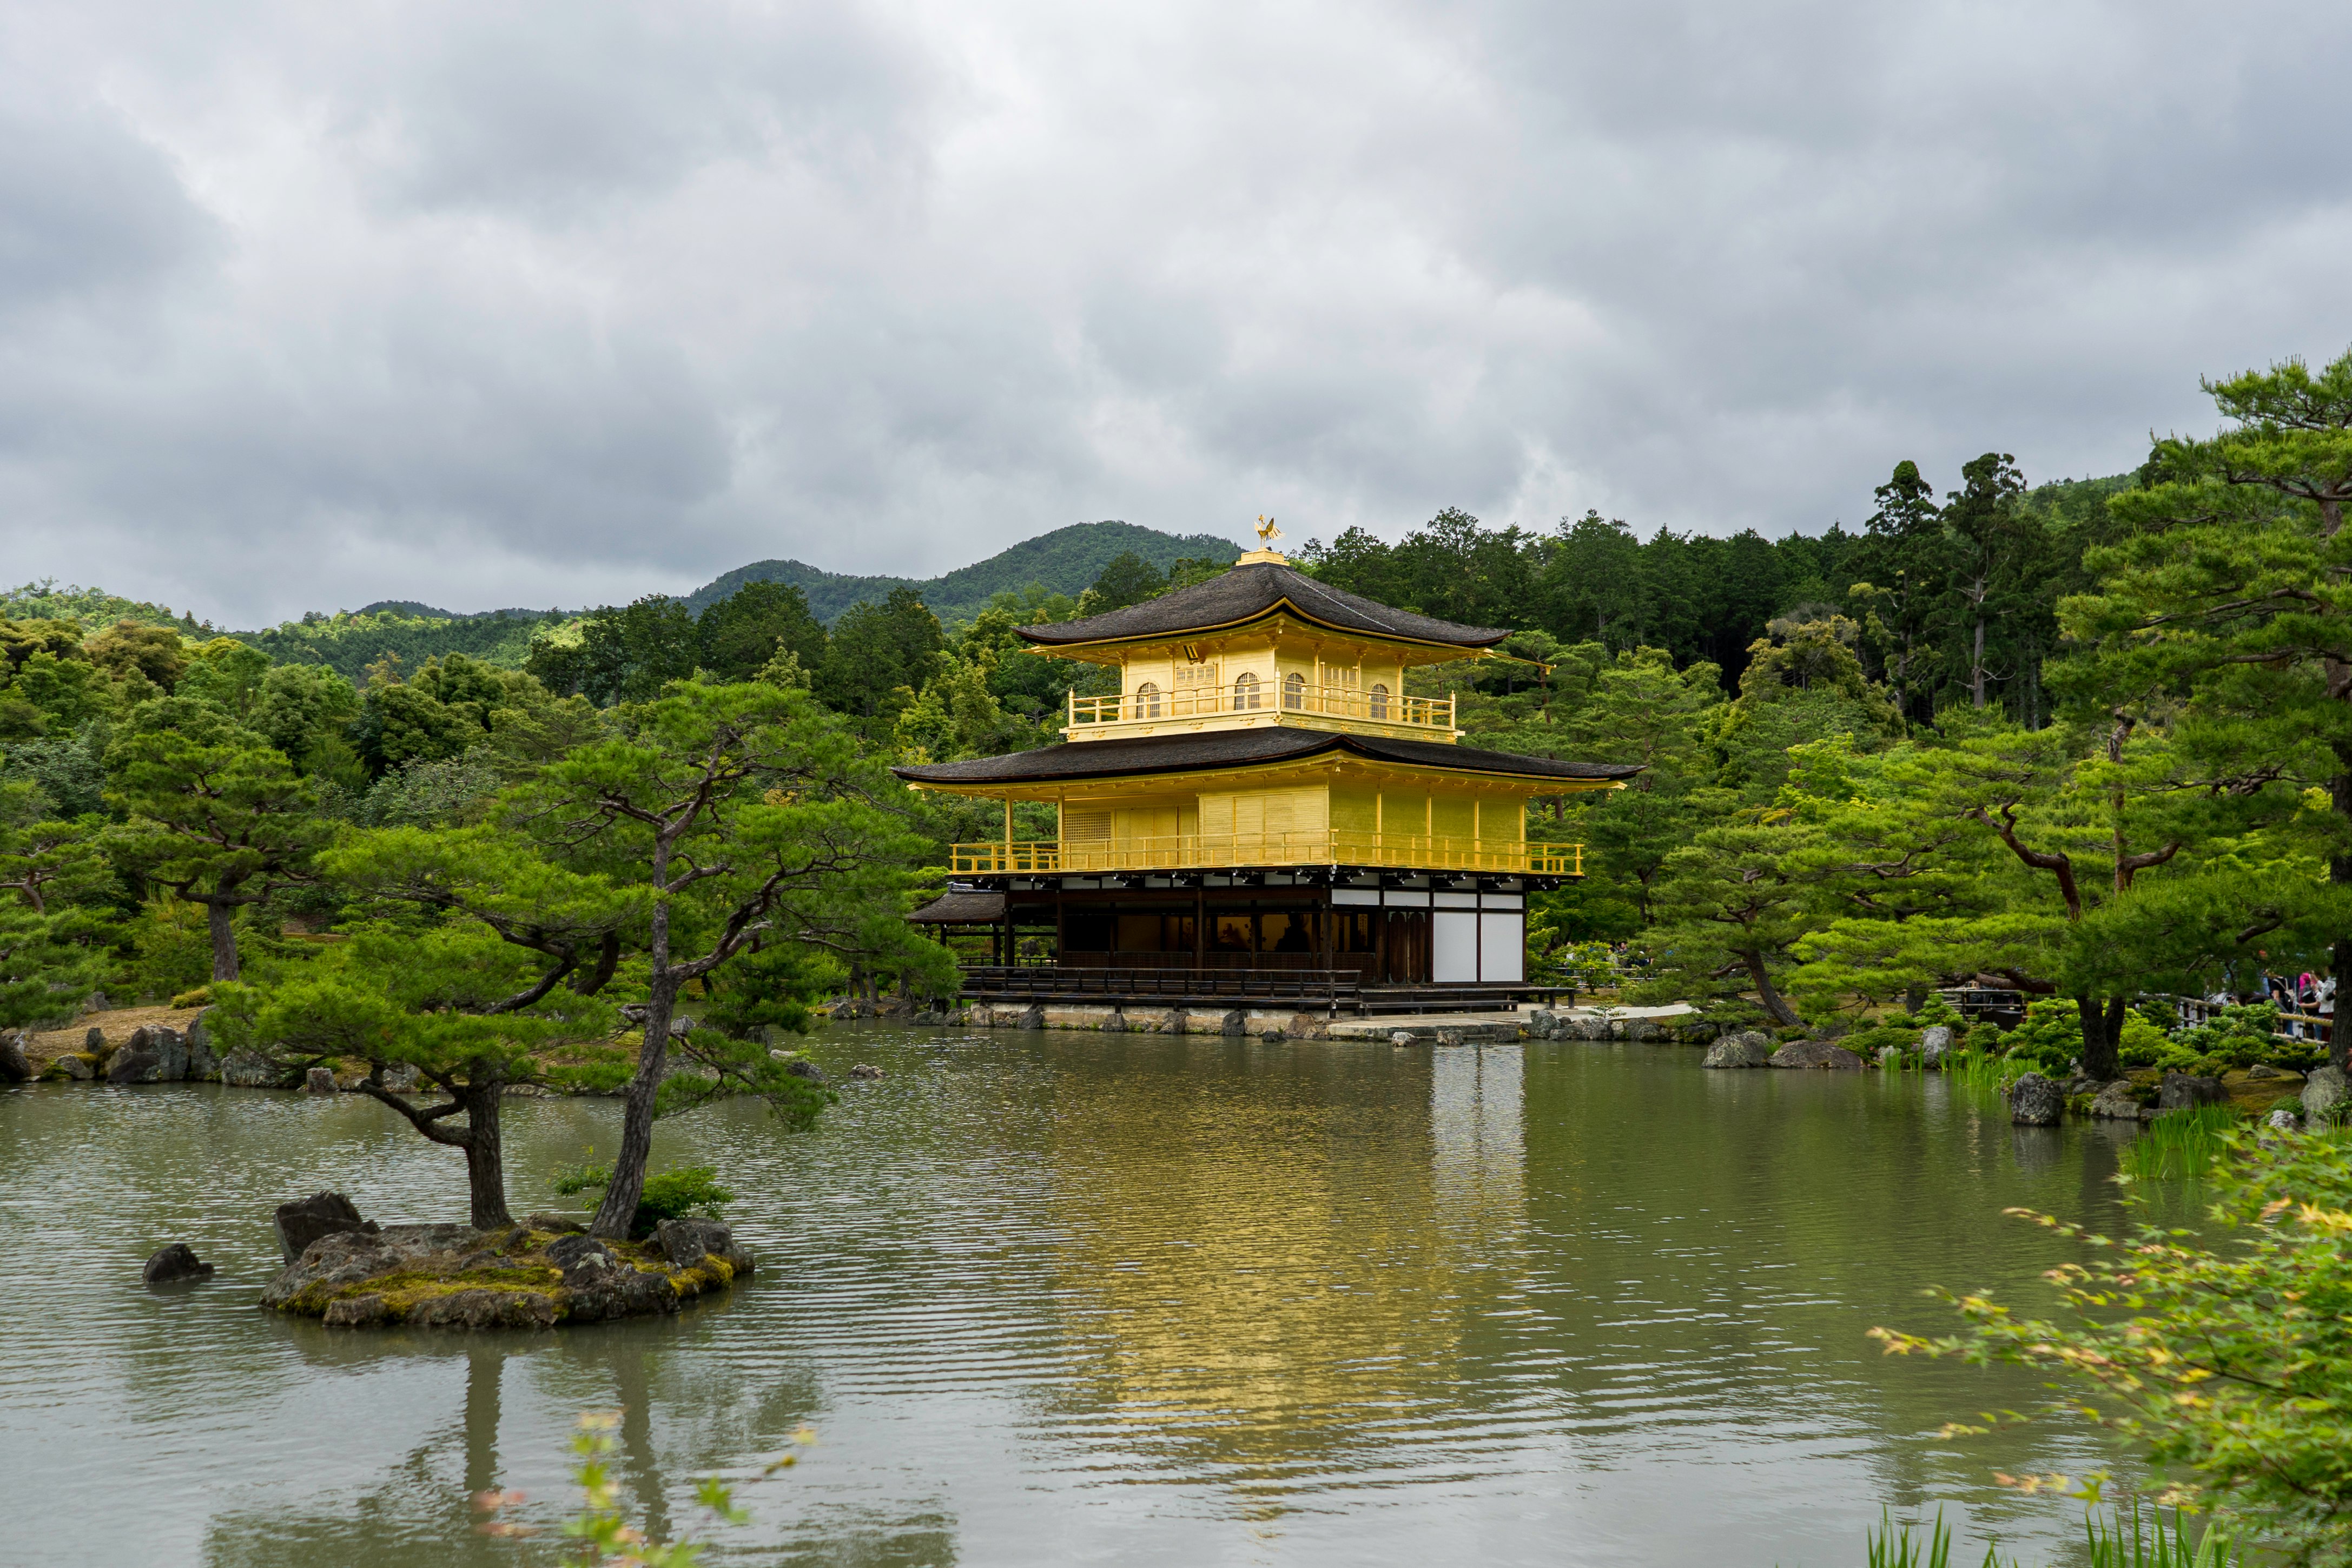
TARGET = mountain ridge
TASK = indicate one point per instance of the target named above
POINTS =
(1065, 559)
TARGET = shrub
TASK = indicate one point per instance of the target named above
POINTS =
(2228, 1363)
(2050, 1038)
(667, 1195)
(2242, 1036)
(1867, 1042)
(1937, 1010)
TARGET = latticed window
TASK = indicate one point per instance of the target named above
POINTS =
(1379, 695)
(1244, 692)
(1146, 700)
(1293, 691)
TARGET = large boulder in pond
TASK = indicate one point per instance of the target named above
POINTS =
(599, 1287)
(2117, 1103)
(1745, 1048)
(204, 1061)
(2181, 1089)
(2036, 1102)
(15, 1067)
(307, 1219)
(176, 1264)
(1935, 1044)
(685, 1241)
(2324, 1093)
(140, 1060)
(246, 1068)
(1816, 1054)
(347, 1257)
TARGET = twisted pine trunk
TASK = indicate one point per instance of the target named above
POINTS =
(485, 1172)
(614, 1216)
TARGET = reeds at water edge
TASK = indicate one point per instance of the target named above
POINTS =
(2183, 1142)
(2124, 1539)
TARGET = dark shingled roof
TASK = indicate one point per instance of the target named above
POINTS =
(1247, 593)
(1238, 748)
(960, 906)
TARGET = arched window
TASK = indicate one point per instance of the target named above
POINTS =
(1380, 699)
(1244, 692)
(1293, 691)
(1146, 700)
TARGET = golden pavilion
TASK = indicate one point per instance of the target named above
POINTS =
(1261, 797)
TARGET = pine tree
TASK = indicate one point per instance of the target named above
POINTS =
(2231, 584)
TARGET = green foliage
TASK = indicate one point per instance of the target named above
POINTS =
(48, 963)
(603, 1529)
(128, 651)
(668, 1195)
(226, 673)
(302, 710)
(69, 771)
(769, 987)
(742, 634)
(2225, 1358)
(1127, 578)
(880, 656)
(171, 948)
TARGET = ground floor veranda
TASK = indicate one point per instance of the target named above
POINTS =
(1340, 932)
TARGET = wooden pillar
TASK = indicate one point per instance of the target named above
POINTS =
(1199, 925)
(1058, 955)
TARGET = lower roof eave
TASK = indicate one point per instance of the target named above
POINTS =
(1254, 877)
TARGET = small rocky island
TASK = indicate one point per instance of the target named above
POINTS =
(353, 1273)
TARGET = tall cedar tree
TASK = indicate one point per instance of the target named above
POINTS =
(1987, 536)
(1901, 562)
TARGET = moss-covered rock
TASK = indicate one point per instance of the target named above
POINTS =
(452, 1276)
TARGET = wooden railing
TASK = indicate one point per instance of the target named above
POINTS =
(1192, 852)
(1266, 696)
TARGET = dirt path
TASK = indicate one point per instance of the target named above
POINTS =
(117, 1022)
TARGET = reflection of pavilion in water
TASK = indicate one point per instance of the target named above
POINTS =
(1268, 1278)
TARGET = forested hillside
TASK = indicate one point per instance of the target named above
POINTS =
(1993, 731)
(1063, 561)
(1942, 599)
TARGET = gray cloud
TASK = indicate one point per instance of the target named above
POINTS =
(529, 304)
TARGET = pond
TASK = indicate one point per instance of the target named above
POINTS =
(1059, 1298)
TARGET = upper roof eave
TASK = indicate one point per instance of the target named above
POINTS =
(1249, 592)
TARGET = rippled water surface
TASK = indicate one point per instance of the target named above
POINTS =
(1061, 1299)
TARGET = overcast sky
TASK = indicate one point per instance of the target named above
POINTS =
(304, 306)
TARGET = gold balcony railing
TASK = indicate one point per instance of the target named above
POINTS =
(1195, 852)
(1245, 697)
